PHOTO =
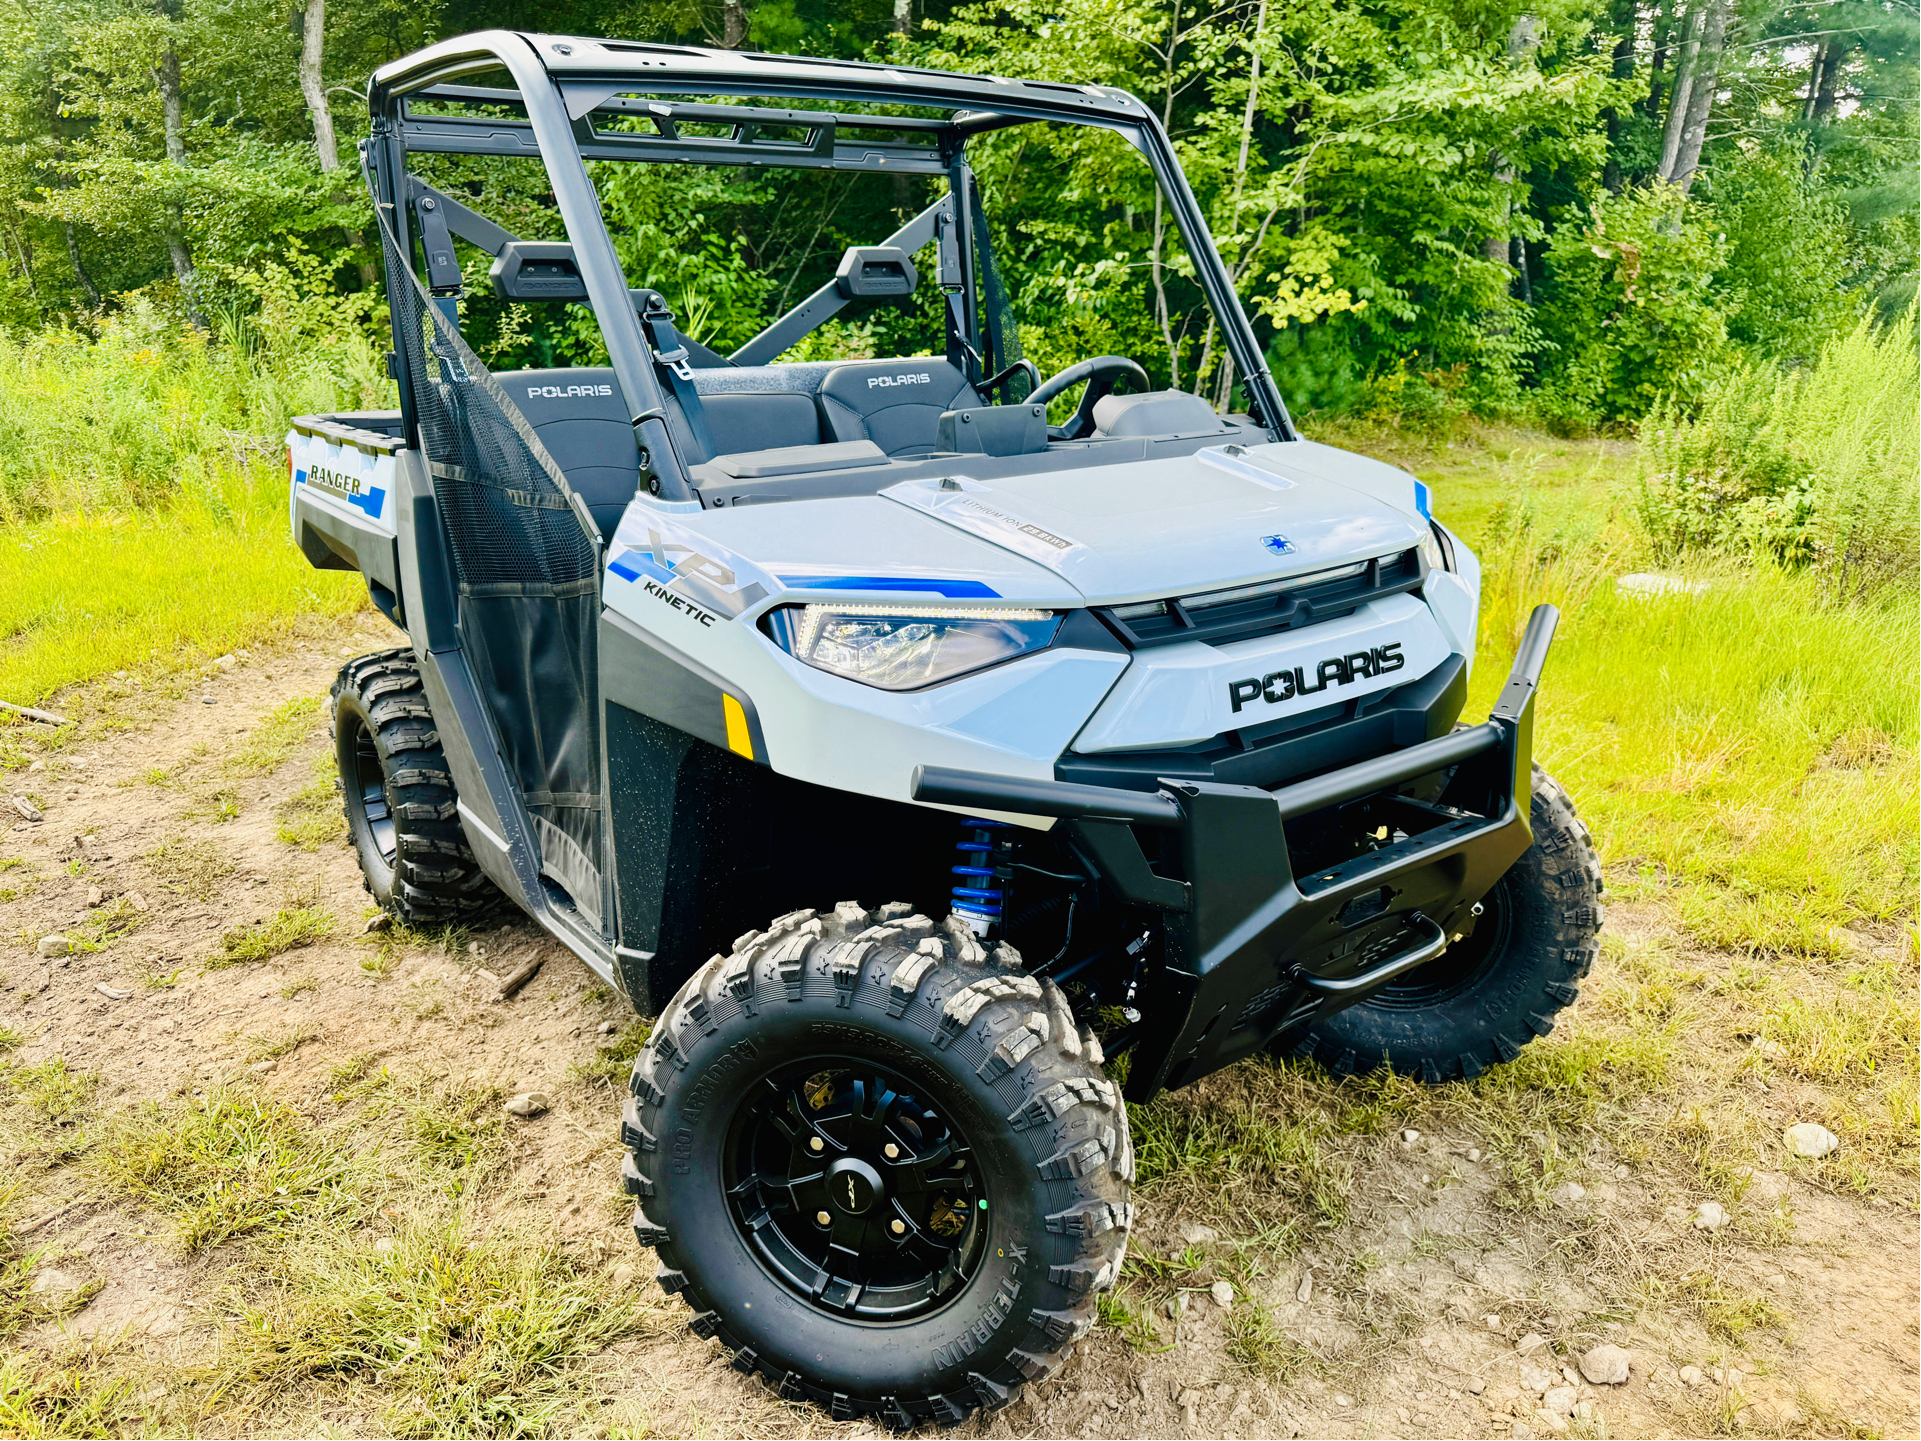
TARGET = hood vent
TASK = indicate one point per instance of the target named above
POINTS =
(1217, 617)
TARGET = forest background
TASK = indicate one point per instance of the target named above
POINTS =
(1562, 211)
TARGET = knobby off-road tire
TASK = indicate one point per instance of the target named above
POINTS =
(399, 795)
(1487, 996)
(994, 1071)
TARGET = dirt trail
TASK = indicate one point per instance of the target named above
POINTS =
(1407, 1327)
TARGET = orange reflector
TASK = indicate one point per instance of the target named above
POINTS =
(738, 740)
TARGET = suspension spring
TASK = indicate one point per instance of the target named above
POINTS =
(987, 852)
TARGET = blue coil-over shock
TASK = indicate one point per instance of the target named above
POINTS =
(987, 852)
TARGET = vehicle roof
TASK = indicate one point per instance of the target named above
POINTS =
(691, 68)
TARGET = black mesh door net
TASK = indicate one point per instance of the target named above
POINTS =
(527, 568)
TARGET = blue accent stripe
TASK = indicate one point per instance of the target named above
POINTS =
(952, 589)
(633, 564)
(300, 476)
(1423, 500)
(370, 502)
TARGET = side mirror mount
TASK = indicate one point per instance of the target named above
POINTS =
(537, 270)
(875, 270)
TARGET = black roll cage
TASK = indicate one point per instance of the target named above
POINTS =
(562, 81)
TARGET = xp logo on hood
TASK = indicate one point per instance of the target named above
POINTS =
(1279, 544)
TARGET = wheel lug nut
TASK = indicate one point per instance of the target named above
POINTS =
(891, 1151)
(823, 1218)
(899, 1228)
(814, 1143)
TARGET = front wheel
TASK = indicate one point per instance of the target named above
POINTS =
(1488, 995)
(882, 1165)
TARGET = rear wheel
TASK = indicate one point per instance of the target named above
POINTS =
(399, 795)
(1488, 995)
(881, 1165)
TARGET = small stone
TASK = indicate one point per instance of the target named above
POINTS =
(624, 1275)
(26, 809)
(1408, 1138)
(1605, 1365)
(1476, 1386)
(607, 1028)
(1223, 1294)
(384, 1246)
(1570, 1193)
(1530, 1343)
(261, 1068)
(110, 992)
(527, 1104)
(1200, 1235)
(1710, 1216)
(1340, 1400)
(226, 662)
(51, 946)
(1691, 1376)
(1473, 1153)
(1559, 1400)
(1534, 1379)
(1305, 1291)
(1583, 1411)
(1734, 1379)
(377, 923)
(95, 895)
(1491, 1321)
(136, 900)
(1812, 1141)
(1621, 1172)
(208, 700)
(1568, 1375)
(1770, 1048)
(473, 948)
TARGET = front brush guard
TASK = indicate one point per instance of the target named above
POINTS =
(1253, 949)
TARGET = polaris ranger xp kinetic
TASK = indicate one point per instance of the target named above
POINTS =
(946, 754)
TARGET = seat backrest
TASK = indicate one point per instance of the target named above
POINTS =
(582, 420)
(744, 420)
(897, 404)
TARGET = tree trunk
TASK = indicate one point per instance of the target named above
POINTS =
(313, 31)
(166, 76)
(1521, 42)
(1833, 53)
(903, 17)
(1814, 80)
(1685, 65)
(733, 23)
(80, 270)
(1663, 35)
(1707, 78)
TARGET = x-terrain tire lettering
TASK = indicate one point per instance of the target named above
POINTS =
(881, 1164)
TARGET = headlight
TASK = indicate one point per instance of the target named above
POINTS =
(904, 647)
(1435, 549)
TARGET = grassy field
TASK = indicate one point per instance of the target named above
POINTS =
(1745, 754)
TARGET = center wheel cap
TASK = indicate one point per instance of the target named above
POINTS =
(852, 1185)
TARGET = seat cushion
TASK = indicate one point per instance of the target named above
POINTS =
(897, 404)
(769, 420)
(582, 419)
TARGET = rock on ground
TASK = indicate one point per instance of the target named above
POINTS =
(1605, 1365)
(1710, 1216)
(1812, 1141)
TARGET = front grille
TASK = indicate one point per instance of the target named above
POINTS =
(1249, 611)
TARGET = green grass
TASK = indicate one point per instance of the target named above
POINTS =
(83, 594)
(457, 1325)
(312, 815)
(276, 738)
(236, 1163)
(289, 930)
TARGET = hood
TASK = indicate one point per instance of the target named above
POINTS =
(1154, 528)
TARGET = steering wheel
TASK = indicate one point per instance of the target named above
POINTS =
(1100, 373)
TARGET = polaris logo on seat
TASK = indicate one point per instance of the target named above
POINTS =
(1281, 685)
(924, 378)
(566, 392)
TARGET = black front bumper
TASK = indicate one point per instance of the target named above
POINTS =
(1256, 947)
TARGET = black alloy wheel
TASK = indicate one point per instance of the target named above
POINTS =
(854, 1193)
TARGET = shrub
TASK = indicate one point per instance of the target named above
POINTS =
(1813, 467)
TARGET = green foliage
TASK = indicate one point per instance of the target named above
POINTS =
(1628, 300)
(290, 929)
(1811, 466)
